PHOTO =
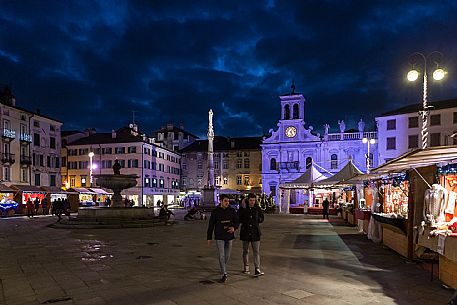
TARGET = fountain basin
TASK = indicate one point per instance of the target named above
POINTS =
(117, 183)
(102, 213)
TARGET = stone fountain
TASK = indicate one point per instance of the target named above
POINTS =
(116, 182)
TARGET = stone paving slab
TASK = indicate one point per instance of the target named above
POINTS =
(307, 260)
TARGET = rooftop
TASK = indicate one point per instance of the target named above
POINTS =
(225, 144)
(414, 108)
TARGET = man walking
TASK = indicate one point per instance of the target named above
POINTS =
(325, 207)
(250, 218)
(223, 222)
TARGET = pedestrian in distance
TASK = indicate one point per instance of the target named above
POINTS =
(36, 202)
(29, 206)
(44, 205)
(325, 206)
(223, 222)
(58, 207)
(250, 217)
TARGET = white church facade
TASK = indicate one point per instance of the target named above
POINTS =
(290, 149)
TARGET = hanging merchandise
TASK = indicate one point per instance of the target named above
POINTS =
(396, 199)
(434, 204)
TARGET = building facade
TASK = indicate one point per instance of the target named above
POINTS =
(292, 148)
(157, 168)
(237, 165)
(174, 138)
(400, 130)
(31, 146)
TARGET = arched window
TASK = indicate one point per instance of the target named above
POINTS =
(273, 164)
(295, 111)
(286, 112)
(309, 162)
(334, 161)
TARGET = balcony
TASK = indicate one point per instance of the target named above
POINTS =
(25, 137)
(8, 134)
(352, 135)
(26, 160)
(8, 158)
(289, 165)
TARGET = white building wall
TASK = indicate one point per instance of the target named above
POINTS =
(446, 128)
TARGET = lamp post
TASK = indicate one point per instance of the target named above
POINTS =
(91, 179)
(413, 75)
(367, 156)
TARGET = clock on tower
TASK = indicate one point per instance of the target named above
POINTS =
(291, 131)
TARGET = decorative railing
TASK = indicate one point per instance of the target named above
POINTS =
(8, 133)
(352, 136)
(289, 165)
(25, 137)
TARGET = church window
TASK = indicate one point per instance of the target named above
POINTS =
(286, 112)
(295, 111)
(273, 164)
(334, 161)
(309, 162)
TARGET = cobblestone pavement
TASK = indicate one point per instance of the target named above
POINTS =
(306, 260)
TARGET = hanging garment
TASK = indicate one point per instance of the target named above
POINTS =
(434, 204)
(450, 206)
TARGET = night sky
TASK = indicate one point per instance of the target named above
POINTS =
(91, 63)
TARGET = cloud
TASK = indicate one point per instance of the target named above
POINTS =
(91, 63)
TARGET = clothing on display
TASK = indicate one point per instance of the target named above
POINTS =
(434, 204)
(450, 206)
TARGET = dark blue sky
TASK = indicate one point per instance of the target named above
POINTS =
(90, 63)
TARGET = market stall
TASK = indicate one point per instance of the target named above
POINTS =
(345, 196)
(299, 195)
(25, 192)
(85, 197)
(8, 206)
(102, 197)
(431, 225)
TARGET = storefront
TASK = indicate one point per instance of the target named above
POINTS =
(8, 206)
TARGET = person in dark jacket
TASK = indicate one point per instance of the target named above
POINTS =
(223, 222)
(250, 218)
(325, 207)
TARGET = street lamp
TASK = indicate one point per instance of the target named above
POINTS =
(91, 179)
(413, 75)
(367, 156)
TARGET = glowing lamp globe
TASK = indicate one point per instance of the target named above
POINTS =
(412, 75)
(364, 140)
(372, 141)
(439, 74)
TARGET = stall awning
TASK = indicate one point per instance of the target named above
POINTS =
(341, 177)
(99, 191)
(440, 156)
(6, 189)
(55, 190)
(27, 188)
(82, 190)
(310, 176)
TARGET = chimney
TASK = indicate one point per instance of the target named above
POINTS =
(113, 134)
(38, 111)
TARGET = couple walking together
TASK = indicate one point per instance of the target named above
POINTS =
(224, 221)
